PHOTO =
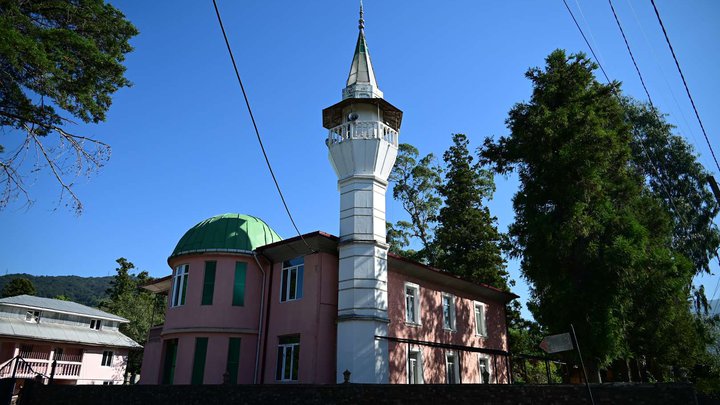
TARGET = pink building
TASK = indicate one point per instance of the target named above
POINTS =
(246, 307)
(74, 343)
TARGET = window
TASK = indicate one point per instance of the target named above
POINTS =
(233, 360)
(208, 283)
(452, 370)
(239, 284)
(107, 383)
(180, 279)
(168, 374)
(288, 358)
(198, 370)
(412, 303)
(107, 358)
(448, 308)
(292, 279)
(32, 316)
(95, 324)
(415, 371)
(480, 327)
(484, 369)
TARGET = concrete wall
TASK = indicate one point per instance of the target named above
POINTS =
(645, 394)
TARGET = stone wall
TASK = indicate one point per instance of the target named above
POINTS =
(638, 394)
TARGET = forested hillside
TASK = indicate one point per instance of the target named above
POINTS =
(84, 290)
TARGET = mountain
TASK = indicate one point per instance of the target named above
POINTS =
(84, 290)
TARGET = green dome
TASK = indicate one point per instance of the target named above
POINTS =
(226, 233)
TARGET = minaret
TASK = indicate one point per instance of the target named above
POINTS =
(362, 144)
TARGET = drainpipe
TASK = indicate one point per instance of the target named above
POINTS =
(267, 321)
(260, 318)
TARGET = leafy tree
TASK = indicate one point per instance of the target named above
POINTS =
(59, 60)
(415, 185)
(679, 181)
(18, 286)
(575, 229)
(597, 240)
(142, 308)
(468, 242)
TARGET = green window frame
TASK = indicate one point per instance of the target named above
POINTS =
(198, 370)
(239, 284)
(170, 358)
(233, 359)
(208, 283)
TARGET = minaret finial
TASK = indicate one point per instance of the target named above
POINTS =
(361, 25)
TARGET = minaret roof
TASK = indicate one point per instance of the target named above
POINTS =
(361, 82)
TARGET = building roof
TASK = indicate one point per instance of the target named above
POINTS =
(18, 328)
(361, 82)
(235, 233)
(60, 306)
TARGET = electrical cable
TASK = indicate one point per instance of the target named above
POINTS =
(641, 143)
(687, 89)
(257, 132)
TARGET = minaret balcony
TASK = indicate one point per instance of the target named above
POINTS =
(362, 130)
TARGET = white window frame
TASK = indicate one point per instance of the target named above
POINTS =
(484, 359)
(32, 316)
(416, 304)
(298, 270)
(179, 284)
(107, 358)
(455, 367)
(418, 369)
(481, 326)
(448, 324)
(292, 347)
(96, 324)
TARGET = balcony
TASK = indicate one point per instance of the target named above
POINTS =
(39, 362)
(362, 130)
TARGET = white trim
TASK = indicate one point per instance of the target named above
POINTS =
(418, 366)
(455, 367)
(299, 270)
(416, 303)
(480, 328)
(483, 358)
(451, 309)
(179, 284)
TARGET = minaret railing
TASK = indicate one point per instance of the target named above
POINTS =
(362, 130)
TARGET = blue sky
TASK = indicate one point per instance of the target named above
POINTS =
(183, 144)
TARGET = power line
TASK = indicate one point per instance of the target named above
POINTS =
(627, 45)
(641, 143)
(687, 89)
(257, 132)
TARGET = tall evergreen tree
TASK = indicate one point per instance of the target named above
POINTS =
(467, 240)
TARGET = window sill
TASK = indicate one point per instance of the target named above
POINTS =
(450, 330)
(413, 324)
(481, 336)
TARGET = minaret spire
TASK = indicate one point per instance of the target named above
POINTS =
(361, 25)
(361, 81)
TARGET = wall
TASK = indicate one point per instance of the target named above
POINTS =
(644, 394)
(431, 329)
(312, 317)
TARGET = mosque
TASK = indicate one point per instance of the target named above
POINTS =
(241, 309)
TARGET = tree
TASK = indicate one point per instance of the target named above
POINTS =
(59, 60)
(575, 228)
(415, 185)
(18, 286)
(142, 308)
(468, 242)
(595, 234)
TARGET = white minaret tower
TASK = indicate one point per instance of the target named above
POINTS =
(362, 146)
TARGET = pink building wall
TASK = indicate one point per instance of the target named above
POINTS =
(431, 330)
(217, 322)
(311, 317)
